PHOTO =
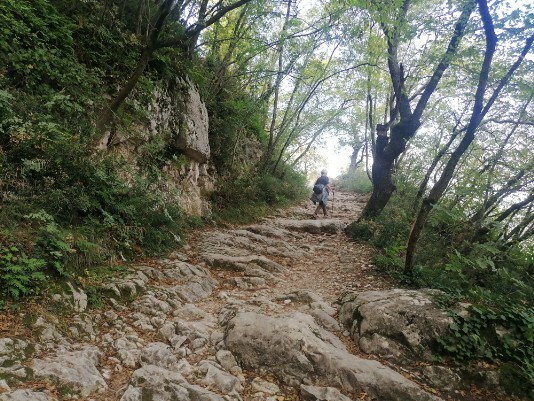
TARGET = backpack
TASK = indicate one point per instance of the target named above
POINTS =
(318, 189)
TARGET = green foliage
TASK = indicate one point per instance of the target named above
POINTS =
(503, 332)
(496, 277)
(51, 242)
(254, 195)
(234, 116)
(19, 274)
(354, 181)
(94, 297)
(360, 230)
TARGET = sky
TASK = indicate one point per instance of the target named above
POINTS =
(336, 159)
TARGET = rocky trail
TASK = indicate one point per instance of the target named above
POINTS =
(284, 310)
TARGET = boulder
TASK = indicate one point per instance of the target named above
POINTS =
(74, 371)
(401, 325)
(298, 351)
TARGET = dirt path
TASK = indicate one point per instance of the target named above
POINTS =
(174, 321)
(337, 266)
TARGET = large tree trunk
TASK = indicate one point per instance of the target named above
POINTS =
(381, 174)
(405, 129)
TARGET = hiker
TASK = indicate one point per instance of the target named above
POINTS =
(321, 190)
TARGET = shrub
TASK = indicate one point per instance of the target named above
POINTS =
(503, 332)
(19, 274)
(253, 195)
(354, 181)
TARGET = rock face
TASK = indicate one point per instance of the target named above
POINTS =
(178, 108)
(153, 383)
(12, 357)
(192, 127)
(26, 395)
(297, 350)
(400, 325)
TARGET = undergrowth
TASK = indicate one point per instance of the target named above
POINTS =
(496, 279)
(69, 211)
(252, 196)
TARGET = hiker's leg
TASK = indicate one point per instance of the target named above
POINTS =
(317, 209)
(324, 209)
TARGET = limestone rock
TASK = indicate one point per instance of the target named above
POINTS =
(192, 127)
(226, 359)
(442, 377)
(158, 354)
(313, 393)
(152, 383)
(13, 354)
(325, 320)
(48, 333)
(398, 324)
(128, 352)
(239, 263)
(263, 386)
(26, 395)
(74, 371)
(189, 312)
(271, 231)
(324, 226)
(75, 298)
(297, 350)
(302, 296)
(219, 380)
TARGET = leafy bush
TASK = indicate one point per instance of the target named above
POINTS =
(354, 181)
(19, 274)
(503, 332)
(494, 276)
(253, 195)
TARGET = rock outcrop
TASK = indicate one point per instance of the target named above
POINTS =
(399, 325)
(298, 351)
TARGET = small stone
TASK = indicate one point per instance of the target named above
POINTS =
(198, 343)
(263, 386)
(4, 386)
(226, 359)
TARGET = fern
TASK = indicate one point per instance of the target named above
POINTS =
(19, 275)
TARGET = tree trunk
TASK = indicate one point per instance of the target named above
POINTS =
(109, 112)
(279, 76)
(437, 191)
(381, 173)
(478, 113)
(405, 129)
(153, 44)
(437, 158)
